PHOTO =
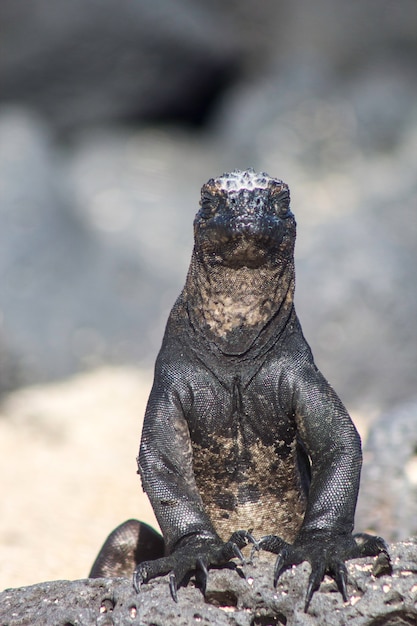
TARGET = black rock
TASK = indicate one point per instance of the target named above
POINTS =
(230, 600)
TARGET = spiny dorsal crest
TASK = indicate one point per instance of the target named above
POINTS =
(245, 179)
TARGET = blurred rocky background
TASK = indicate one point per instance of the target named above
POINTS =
(112, 115)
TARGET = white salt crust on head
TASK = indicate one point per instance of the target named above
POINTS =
(245, 179)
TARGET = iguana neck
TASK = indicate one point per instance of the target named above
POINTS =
(233, 306)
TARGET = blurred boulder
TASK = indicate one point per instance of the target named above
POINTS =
(356, 259)
(81, 63)
(387, 502)
(66, 303)
(312, 115)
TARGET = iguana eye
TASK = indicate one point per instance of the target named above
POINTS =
(211, 200)
(281, 203)
(207, 204)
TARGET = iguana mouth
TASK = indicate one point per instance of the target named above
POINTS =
(245, 250)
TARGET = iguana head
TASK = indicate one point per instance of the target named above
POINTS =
(240, 284)
(244, 220)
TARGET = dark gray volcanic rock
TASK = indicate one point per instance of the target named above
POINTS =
(375, 599)
(80, 63)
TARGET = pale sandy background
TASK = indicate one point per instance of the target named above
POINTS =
(67, 466)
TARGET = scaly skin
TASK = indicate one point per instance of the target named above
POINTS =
(241, 429)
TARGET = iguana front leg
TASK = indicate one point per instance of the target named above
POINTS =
(166, 468)
(333, 445)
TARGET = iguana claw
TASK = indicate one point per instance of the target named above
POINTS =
(326, 552)
(195, 554)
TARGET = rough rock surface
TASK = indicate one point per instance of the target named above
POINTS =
(376, 598)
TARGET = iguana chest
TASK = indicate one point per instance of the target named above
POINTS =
(246, 458)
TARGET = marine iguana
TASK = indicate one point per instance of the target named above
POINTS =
(243, 438)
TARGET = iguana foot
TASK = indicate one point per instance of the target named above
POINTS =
(192, 554)
(326, 552)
